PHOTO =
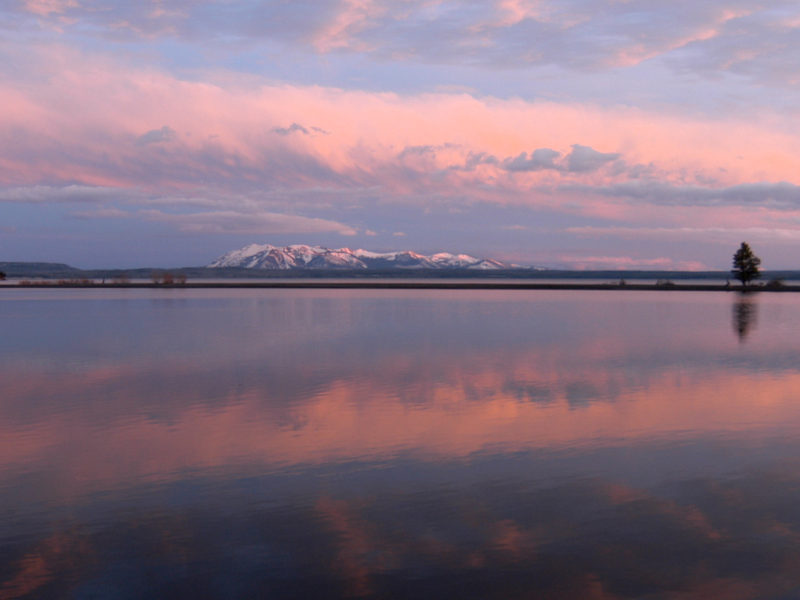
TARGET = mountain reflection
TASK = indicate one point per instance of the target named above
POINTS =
(500, 446)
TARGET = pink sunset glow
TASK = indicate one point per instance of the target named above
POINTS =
(132, 134)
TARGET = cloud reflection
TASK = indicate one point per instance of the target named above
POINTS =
(379, 445)
(161, 423)
(729, 539)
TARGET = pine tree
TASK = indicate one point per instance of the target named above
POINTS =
(745, 264)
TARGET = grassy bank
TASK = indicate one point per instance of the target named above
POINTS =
(413, 285)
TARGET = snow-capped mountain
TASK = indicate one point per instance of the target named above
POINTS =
(298, 256)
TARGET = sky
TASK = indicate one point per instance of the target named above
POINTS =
(634, 134)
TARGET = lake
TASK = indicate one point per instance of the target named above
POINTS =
(399, 444)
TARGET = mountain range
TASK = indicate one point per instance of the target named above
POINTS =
(299, 256)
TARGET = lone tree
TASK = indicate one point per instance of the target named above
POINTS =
(745, 264)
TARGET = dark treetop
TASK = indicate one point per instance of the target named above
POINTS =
(745, 264)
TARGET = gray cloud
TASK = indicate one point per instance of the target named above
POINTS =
(293, 128)
(541, 158)
(417, 150)
(472, 160)
(246, 223)
(102, 213)
(479, 158)
(41, 194)
(297, 128)
(780, 195)
(157, 136)
(425, 150)
(583, 159)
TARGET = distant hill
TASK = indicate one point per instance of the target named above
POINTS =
(38, 269)
(44, 270)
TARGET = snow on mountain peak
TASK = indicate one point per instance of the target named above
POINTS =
(301, 256)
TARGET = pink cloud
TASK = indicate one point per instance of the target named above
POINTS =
(45, 8)
(353, 16)
(95, 122)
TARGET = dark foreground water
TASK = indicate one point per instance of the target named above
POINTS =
(399, 444)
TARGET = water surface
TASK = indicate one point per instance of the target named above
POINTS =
(398, 443)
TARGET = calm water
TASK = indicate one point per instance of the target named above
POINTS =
(399, 444)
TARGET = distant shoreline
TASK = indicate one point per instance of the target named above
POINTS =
(412, 285)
